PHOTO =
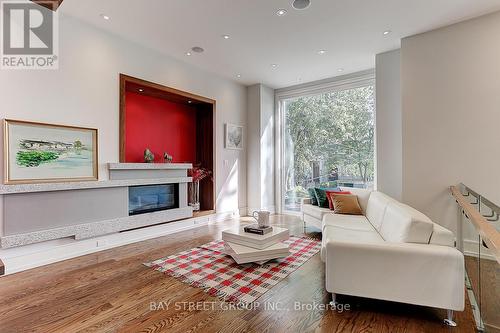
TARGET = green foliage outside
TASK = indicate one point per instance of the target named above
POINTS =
(35, 158)
(336, 128)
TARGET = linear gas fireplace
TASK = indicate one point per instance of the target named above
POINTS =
(151, 198)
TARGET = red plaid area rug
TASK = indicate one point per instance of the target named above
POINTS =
(207, 267)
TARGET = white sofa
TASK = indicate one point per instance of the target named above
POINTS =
(392, 252)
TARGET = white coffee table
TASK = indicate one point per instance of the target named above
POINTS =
(246, 247)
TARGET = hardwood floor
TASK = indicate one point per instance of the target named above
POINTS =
(111, 291)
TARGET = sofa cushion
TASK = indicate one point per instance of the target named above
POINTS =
(363, 196)
(315, 211)
(312, 196)
(442, 236)
(404, 224)
(346, 204)
(337, 234)
(331, 194)
(352, 222)
(375, 209)
(322, 197)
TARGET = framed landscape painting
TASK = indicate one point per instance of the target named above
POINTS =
(234, 136)
(41, 153)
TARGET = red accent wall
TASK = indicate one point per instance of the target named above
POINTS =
(161, 126)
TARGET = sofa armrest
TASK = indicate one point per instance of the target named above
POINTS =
(305, 201)
(422, 274)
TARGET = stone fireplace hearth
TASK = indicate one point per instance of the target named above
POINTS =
(39, 212)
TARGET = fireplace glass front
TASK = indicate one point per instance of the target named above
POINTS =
(151, 198)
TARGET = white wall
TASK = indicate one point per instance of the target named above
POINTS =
(85, 92)
(451, 115)
(389, 123)
(260, 176)
(253, 146)
(267, 168)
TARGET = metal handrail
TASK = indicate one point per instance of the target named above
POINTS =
(489, 234)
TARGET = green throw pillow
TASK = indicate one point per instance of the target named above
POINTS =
(312, 195)
(321, 196)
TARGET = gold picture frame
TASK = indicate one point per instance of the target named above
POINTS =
(36, 152)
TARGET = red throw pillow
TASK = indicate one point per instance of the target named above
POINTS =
(332, 193)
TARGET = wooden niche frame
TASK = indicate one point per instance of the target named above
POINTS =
(205, 129)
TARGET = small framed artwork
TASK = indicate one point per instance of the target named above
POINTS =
(42, 153)
(234, 136)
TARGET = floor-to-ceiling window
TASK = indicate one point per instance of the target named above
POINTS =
(327, 140)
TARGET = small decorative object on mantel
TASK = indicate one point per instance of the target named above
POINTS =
(234, 136)
(167, 158)
(149, 157)
(198, 173)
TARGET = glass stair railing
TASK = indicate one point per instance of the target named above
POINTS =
(478, 237)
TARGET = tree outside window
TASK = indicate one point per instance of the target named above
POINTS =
(329, 141)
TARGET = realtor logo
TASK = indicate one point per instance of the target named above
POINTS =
(29, 36)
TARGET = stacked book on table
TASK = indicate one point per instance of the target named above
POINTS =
(247, 247)
(258, 230)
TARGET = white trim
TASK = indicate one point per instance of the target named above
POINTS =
(150, 166)
(344, 82)
(471, 250)
(354, 80)
(75, 186)
(26, 257)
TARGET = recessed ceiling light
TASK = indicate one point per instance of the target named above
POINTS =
(140, 90)
(238, 76)
(340, 70)
(301, 4)
(197, 49)
(274, 66)
(387, 32)
(225, 36)
(190, 101)
(188, 53)
(281, 12)
(321, 52)
(106, 17)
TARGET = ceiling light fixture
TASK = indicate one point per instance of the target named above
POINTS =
(274, 66)
(225, 36)
(238, 76)
(340, 70)
(281, 12)
(141, 90)
(106, 17)
(197, 49)
(387, 32)
(321, 52)
(190, 101)
(301, 4)
(188, 53)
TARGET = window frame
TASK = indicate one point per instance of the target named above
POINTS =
(345, 82)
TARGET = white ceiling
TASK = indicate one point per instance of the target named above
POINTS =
(350, 30)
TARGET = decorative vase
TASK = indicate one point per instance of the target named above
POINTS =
(149, 157)
(194, 195)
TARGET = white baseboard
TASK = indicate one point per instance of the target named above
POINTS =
(30, 256)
